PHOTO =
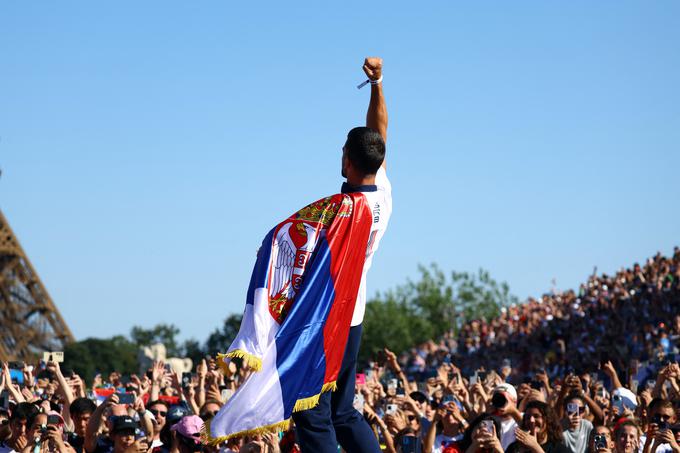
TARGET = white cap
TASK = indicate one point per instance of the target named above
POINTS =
(506, 388)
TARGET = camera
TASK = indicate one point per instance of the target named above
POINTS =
(499, 401)
(600, 441)
(536, 385)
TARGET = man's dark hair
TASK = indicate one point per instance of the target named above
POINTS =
(467, 436)
(365, 149)
(82, 406)
(25, 411)
(154, 402)
(659, 403)
(574, 396)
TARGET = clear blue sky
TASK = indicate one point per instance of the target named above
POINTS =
(147, 147)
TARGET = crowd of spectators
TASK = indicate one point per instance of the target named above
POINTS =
(588, 371)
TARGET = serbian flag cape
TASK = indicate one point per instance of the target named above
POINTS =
(298, 312)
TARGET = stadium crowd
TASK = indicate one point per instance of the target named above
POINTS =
(588, 371)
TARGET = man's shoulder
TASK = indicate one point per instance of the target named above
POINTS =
(382, 181)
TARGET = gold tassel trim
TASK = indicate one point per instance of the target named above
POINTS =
(312, 401)
(253, 362)
(329, 387)
(274, 428)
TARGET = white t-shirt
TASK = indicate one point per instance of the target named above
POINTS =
(380, 204)
(442, 441)
(508, 432)
(663, 448)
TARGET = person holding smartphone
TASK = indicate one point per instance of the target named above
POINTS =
(483, 436)
(577, 428)
(451, 422)
(47, 435)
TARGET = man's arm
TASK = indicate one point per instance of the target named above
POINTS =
(376, 117)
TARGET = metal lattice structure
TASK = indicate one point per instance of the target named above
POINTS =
(30, 322)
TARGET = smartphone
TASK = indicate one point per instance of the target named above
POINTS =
(600, 441)
(481, 375)
(536, 385)
(410, 444)
(400, 391)
(391, 409)
(447, 399)
(634, 385)
(186, 379)
(392, 384)
(126, 398)
(487, 425)
(17, 376)
(473, 379)
(168, 367)
(651, 384)
(358, 402)
(360, 379)
(4, 400)
(380, 358)
(55, 356)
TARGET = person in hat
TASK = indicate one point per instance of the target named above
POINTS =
(123, 433)
(504, 402)
(167, 441)
(46, 434)
(188, 434)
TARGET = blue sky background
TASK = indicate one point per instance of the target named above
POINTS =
(147, 147)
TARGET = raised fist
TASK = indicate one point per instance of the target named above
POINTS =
(373, 67)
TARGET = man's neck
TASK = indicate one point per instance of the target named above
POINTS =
(361, 180)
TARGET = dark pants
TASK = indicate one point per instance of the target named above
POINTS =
(335, 421)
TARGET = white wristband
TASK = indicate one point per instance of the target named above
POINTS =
(367, 81)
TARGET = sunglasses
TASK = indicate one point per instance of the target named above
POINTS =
(157, 412)
(207, 415)
(580, 410)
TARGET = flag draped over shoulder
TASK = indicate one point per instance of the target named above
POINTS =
(298, 312)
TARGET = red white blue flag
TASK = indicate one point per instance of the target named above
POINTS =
(297, 317)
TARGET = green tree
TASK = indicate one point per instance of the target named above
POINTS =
(100, 355)
(161, 333)
(221, 339)
(192, 349)
(425, 309)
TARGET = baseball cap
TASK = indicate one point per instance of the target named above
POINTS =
(190, 427)
(56, 414)
(627, 397)
(175, 414)
(506, 388)
(123, 423)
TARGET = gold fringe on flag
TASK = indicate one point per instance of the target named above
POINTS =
(274, 428)
(253, 362)
(312, 401)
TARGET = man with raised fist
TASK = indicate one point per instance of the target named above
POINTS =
(335, 421)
